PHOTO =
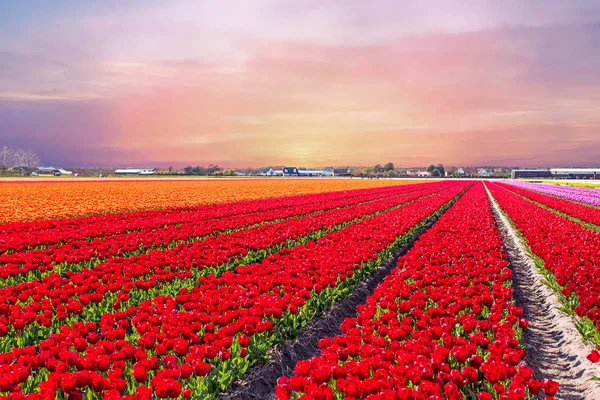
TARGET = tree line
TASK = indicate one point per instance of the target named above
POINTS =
(378, 170)
(436, 171)
(19, 160)
(200, 170)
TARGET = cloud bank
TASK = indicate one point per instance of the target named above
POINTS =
(307, 83)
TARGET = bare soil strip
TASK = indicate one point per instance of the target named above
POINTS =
(555, 349)
(261, 380)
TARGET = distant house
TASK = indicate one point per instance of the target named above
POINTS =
(423, 174)
(272, 172)
(562, 173)
(316, 172)
(342, 172)
(458, 172)
(290, 171)
(483, 173)
(48, 171)
(52, 171)
(294, 171)
(136, 171)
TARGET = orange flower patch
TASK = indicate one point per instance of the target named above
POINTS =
(29, 201)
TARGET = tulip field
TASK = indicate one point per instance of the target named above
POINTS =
(188, 297)
(54, 199)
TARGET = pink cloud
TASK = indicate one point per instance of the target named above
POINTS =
(445, 94)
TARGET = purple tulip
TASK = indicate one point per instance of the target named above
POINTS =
(581, 194)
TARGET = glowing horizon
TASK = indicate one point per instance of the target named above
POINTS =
(310, 83)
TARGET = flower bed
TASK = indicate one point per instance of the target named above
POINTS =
(196, 341)
(584, 213)
(442, 325)
(169, 231)
(582, 194)
(566, 252)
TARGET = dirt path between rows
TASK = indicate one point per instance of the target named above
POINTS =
(261, 380)
(554, 346)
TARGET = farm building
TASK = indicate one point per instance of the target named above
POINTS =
(458, 172)
(316, 172)
(290, 171)
(575, 173)
(272, 172)
(530, 173)
(564, 173)
(342, 172)
(136, 171)
(48, 171)
(294, 171)
(53, 171)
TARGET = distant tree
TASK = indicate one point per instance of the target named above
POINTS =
(228, 172)
(388, 167)
(378, 168)
(25, 161)
(170, 170)
(436, 172)
(19, 160)
(431, 168)
(32, 160)
(6, 159)
(391, 173)
(189, 170)
(440, 167)
(212, 169)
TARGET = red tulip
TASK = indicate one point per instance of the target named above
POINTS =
(594, 356)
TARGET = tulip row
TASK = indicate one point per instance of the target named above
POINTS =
(185, 227)
(28, 201)
(581, 194)
(195, 343)
(441, 325)
(33, 310)
(21, 236)
(582, 212)
(565, 252)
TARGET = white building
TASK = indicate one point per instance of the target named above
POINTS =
(293, 171)
(53, 171)
(316, 172)
(458, 172)
(564, 173)
(589, 173)
(136, 171)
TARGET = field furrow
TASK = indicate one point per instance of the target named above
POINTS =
(53, 200)
(41, 307)
(209, 333)
(84, 253)
(590, 196)
(21, 236)
(565, 252)
(581, 213)
(442, 325)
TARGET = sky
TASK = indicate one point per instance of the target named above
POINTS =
(243, 83)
